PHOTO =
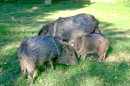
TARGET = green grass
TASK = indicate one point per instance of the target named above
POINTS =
(20, 21)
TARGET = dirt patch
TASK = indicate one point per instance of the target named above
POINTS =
(112, 59)
(117, 59)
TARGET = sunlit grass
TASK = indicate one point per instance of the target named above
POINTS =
(20, 21)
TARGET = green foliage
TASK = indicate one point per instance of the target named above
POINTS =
(125, 2)
(22, 1)
(26, 1)
(57, 0)
(8, 1)
(30, 1)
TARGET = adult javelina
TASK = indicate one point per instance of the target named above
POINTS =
(38, 50)
(91, 43)
(62, 28)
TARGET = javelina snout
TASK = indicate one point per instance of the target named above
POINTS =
(91, 43)
(38, 50)
(68, 56)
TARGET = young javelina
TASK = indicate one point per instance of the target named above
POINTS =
(38, 50)
(91, 43)
(62, 28)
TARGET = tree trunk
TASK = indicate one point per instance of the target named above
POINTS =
(48, 2)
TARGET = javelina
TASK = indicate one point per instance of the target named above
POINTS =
(91, 43)
(38, 50)
(62, 28)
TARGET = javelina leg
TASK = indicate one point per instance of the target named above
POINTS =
(23, 69)
(31, 77)
(83, 54)
(45, 66)
(52, 64)
(101, 57)
(104, 56)
(31, 80)
(31, 69)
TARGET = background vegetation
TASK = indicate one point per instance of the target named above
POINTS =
(125, 2)
(27, 1)
(20, 21)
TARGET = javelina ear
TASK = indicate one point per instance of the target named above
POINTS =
(79, 38)
(43, 30)
(96, 30)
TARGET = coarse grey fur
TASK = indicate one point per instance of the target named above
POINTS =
(91, 43)
(38, 50)
(62, 28)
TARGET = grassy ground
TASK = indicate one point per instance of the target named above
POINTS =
(20, 21)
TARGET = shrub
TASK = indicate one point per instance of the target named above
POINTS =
(26, 1)
(125, 2)
(22, 1)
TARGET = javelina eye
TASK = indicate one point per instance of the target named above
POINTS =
(45, 31)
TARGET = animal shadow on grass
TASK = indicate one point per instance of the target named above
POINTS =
(10, 70)
(99, 74)
(20, 15)
(111, 74)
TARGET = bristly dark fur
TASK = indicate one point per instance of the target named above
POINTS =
(38, 50)
(45, 27)
(91, 43)
(63, 28)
